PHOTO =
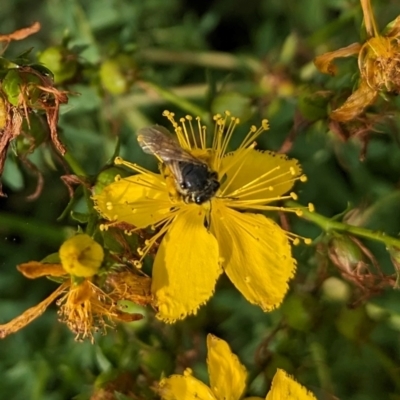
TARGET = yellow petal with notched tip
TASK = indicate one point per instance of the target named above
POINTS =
(256, 255)
(257, 175)
(184, 387)
(285, 388)
(140, 200)
(227, 375)
(186, 266)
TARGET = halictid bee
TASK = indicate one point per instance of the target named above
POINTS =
(194, 180)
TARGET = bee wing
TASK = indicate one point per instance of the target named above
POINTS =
(158, 141)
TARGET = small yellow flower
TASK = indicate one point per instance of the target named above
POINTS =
(378, 62)
(81, 256)
(227, 380)
(200, 241)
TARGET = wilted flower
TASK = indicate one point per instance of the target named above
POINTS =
(227, 380)
(378, 62)
(199, 241)
(83, 306)
(26, 90)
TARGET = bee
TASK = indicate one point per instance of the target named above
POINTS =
(194, 180)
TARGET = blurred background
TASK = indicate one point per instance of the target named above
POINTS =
(127, 61)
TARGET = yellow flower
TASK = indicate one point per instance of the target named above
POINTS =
(84, 307)
(227, 380)
(378, 62)
(199, 241)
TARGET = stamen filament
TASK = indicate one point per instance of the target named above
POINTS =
(250, 184)
(202, 134)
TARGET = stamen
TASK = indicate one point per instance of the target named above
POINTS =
(134, 166)
(202, 133)
(254, 133)
(150, 242)
(228, 135)
(170, 115)
(192, 132)
(252, 184)
(250, 187)
(297, 238)
(182, 134)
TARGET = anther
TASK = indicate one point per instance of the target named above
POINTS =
(303, 178)
(265, 124)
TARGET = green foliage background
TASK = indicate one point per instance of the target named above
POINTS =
(333, 349)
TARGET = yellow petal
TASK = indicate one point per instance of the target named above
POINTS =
(30, 314)
(36, 269)
(227, 375)
(324, 62)
(140, 200)
(285, 388)
(355, 104)
(256, 255)
(186, 266)
(179, 387)
(253, 174)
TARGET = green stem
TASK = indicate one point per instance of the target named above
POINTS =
(74, 165)
(181, 102)
(34, 228)
(327, 224)
(209, 59)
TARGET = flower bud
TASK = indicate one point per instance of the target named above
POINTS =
(81, 256)
(118, 73)
(107, 176)
(21, 85)
(344, 252)
(33, 134)
(60, 61)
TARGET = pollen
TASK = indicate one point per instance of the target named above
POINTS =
(311, 207)
(294, 196)
(109, 205)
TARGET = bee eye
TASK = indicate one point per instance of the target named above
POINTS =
(183, 185)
